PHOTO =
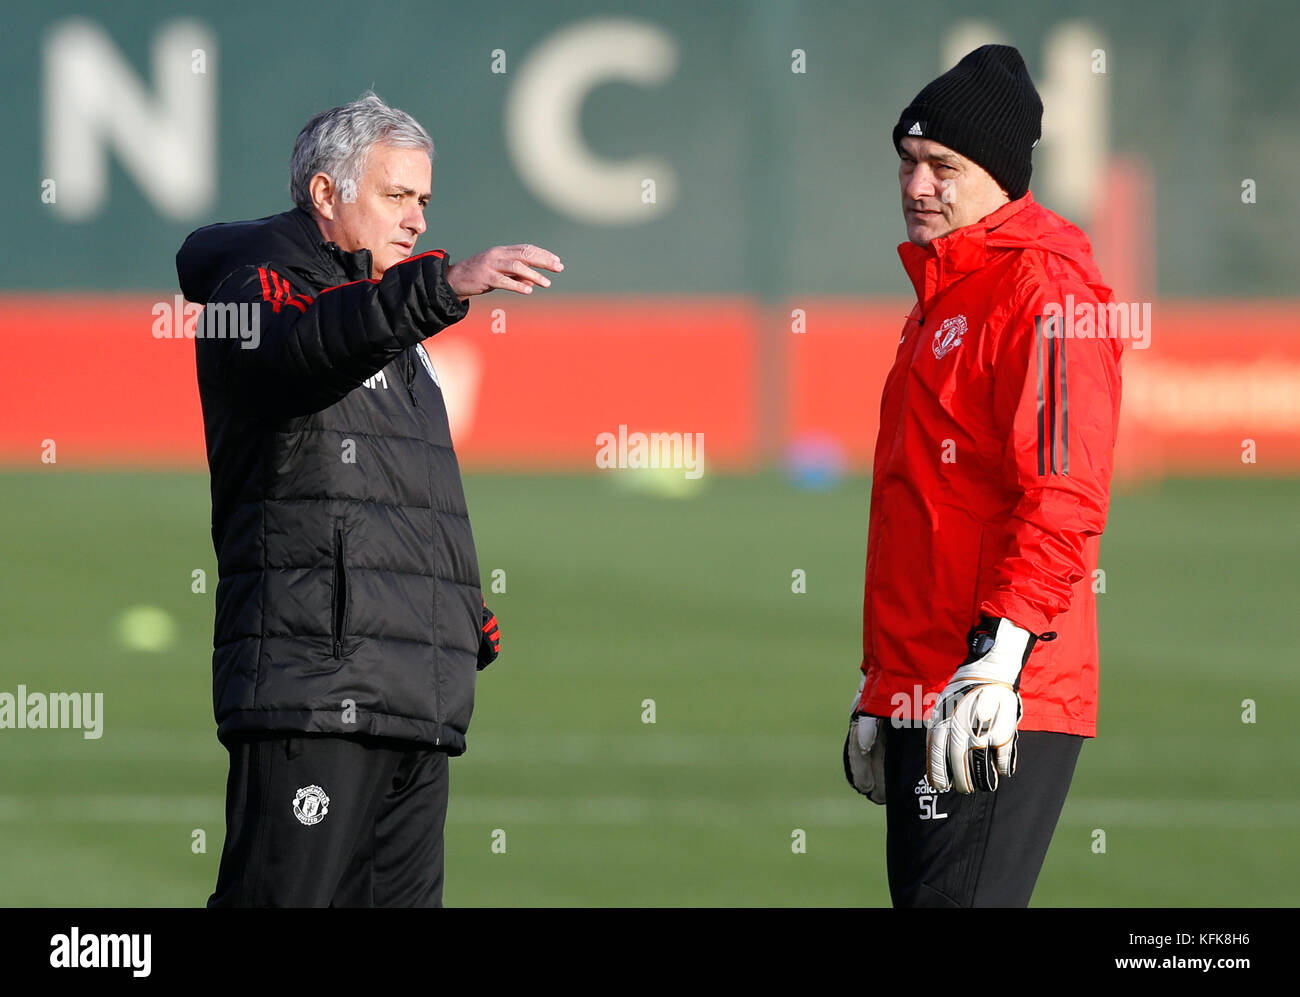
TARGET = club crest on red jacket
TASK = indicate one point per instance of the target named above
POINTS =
(949, 336)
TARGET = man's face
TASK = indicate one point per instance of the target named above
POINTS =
(387, 214)
(942, 190)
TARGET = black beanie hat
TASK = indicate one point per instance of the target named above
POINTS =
(985, 108)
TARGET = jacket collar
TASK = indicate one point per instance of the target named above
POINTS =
(354, 266)
(947, 259)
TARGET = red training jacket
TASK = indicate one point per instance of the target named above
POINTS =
(992, 468)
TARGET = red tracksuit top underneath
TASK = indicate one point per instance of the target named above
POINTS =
(992, 468)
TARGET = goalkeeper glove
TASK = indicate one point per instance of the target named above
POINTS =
(864, 752)
(971, 734)
(489, 644)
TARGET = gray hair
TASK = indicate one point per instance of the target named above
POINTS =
(336, 142)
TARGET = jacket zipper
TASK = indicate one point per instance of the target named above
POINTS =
(340, 593)
(433, 523)
(410, 379)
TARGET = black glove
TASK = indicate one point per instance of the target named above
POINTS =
(489, 645)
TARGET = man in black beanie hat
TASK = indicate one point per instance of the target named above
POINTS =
(989, 494)
(986, 111)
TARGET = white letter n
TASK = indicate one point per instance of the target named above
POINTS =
(93, 99)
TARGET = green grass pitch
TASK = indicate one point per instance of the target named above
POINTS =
(614, 597)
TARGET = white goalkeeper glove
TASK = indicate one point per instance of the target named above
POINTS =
(971, 734)
(864, 752)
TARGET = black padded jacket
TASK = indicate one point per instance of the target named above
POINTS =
(349, 596)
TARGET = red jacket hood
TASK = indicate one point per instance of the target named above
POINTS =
(1017, 225)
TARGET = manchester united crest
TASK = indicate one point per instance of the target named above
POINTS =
(310, 805)
(949, 336)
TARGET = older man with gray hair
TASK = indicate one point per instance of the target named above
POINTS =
(350, 622)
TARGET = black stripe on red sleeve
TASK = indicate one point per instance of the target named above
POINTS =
(1053, 401)
(1065, 416)
(1038, 341)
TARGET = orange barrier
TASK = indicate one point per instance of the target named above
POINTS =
(111, 380)
(86, 373)
(539, 392)
(835, 370)
(534, 384)
(1216, 388)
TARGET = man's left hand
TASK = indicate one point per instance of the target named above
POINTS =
(971, 734)
(864, 751)
(489, 644)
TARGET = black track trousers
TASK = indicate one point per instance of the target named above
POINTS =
(977, 850)
(377, 844)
